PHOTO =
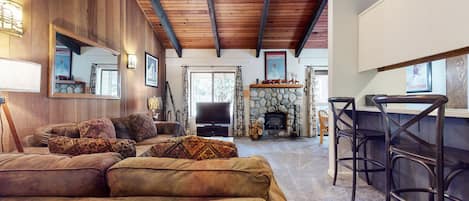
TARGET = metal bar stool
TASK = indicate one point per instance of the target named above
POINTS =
(358, 138)
(403, 144)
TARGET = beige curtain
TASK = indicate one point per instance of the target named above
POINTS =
(311, 113)
(238, 126)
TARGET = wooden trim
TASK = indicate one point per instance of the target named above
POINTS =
(159, 11)
(12, 126)
(260, 37)
(310, 28)
(276, 86)
(448, 54)
(83, 39)
(213, 22)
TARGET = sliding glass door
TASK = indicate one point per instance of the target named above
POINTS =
(211, 87)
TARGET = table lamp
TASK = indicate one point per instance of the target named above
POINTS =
(155, 104)
(17, 76)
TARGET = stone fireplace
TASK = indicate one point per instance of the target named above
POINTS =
(279, 106)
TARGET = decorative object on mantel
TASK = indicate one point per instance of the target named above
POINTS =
(18, 76)
(154, 105)
(276, 65)
(276, 86)
(419, 78)
(151, 70)
(256, 129)
(11, 17)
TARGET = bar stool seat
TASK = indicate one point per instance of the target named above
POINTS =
(426, 153)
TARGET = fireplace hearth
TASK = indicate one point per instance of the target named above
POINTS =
(275, 121)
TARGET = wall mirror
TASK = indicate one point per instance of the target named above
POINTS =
(81, 68)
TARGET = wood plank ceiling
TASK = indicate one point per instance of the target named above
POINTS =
(238, 23)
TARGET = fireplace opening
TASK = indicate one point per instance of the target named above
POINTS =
(275, 121)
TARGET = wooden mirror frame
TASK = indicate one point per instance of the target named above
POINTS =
(51, 76)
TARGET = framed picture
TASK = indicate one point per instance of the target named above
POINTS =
(151, 70)
(419, 78)
(63, 62)
(275, 65)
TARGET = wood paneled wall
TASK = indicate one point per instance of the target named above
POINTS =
(119, 24)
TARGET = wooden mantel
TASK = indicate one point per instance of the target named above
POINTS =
(276, 86)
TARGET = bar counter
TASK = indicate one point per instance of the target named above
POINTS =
(456, 134)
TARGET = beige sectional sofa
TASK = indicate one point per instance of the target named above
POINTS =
(37, 142)
(106, 177)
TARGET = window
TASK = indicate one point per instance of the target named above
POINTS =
(322, 87)
(211, 87)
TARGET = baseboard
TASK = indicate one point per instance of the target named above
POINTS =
(330, 172)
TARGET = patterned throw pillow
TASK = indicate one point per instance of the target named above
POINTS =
(78, 146)
(192, 147)
(122, 128)
(142, 127)
(97, 128)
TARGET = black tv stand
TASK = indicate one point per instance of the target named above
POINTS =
(211, 130)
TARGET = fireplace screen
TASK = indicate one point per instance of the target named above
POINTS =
(275, 121)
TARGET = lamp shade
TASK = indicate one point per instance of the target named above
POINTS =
(20, 76)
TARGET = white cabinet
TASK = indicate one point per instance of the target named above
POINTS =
(371, 37)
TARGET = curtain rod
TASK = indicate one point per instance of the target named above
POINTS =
(211, 66)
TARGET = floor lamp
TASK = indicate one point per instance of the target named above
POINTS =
(17, 76)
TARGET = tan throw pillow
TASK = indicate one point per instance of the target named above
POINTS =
(78, 146)
(142, 127)
(97, 128)
(192, 147)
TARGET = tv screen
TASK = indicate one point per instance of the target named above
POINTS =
(213, 113)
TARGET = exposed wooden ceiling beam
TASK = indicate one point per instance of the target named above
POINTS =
(158, 8)
(213, 20)
(310, 28)
(260, 37)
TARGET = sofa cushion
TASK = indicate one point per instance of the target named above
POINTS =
(78, 146)
(154, 140)
(142, 127)
(235, 177)
(192, 147)
(97, 128)
(55, 175)
(42, 134)
(122, 127)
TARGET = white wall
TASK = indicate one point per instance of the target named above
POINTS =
(344, 79)
(81, 64)
(253, 67)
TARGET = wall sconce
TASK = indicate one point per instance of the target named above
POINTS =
(131, 61)
(11, 17)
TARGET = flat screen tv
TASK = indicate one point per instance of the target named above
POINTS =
(213, 113)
